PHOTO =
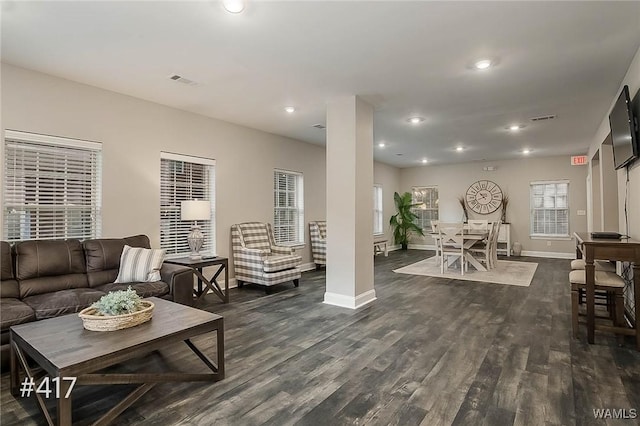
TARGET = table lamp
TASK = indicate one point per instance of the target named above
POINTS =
(195, 210)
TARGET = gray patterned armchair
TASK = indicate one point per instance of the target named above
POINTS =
(258, 260)
(318, 232)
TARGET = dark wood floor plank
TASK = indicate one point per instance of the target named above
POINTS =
(429, 351)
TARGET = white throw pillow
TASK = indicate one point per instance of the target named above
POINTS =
(139, 265)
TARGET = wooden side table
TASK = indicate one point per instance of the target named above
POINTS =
(209, 284)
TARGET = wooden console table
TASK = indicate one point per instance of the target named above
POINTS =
(210, 284)
(625, 250)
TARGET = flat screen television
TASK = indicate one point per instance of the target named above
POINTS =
(623, 131)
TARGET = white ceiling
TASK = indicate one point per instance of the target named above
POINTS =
(406, 58)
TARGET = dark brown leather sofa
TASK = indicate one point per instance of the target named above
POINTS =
(48, 278)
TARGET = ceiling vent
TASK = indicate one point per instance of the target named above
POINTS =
(181, 79)
(319, 126)
(543, 117)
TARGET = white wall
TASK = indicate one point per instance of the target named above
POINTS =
(133, 132)
(514, 178)
(632, 79)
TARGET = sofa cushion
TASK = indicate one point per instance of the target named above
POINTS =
(6, 263)
(8, 284)
(13, 311)
(157, 288)
(62, 302)
(255, 235)
(140, 265)
(103, 257)
(45, 258)
(9, 288)
(280, 263)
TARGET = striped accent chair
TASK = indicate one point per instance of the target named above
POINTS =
(258, 260)
(318, 232)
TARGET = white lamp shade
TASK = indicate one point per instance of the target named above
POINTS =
(195, 210)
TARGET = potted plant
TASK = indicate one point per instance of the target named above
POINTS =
(117, 310)
(505, 203)
(403, 222)
(463, 204)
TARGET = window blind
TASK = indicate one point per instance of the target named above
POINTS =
(288, 202)
(52, 187)
(185, 178)
(428, 195)
(377, 210)
(550, 209)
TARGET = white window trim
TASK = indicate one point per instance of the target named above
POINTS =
(421, 187)
(54, 143)
(212, 190)
(300, 242)
(375, 210)
(558, 237)
(52, 140)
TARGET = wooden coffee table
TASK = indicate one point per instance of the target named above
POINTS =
(64, 349)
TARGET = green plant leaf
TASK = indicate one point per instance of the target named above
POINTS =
(403, 222)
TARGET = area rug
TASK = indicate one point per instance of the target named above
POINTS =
(506, 272)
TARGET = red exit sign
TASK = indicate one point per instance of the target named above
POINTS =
(578, 160)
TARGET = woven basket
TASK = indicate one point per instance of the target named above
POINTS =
(94, 322)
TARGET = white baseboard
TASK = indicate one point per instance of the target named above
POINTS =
(550, 254)
(307, 267)
(350, 302)
(394, 248)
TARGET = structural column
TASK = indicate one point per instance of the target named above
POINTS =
(349, 203)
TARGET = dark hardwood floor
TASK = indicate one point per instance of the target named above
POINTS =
(429, 351)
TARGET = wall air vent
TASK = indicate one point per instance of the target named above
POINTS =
(319, 126)
(543, 117)
(181, 79)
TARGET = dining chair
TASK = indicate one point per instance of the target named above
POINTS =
(475, 225)
(605, 282)
(486, 247)
(494, 244)
(436, 239)
(453, 244)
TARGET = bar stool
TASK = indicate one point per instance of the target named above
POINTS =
(605, 281)
(601, 265)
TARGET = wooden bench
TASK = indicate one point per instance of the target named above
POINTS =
(380, 246)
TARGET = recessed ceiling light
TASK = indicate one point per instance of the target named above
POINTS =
(415, 120)
(290, 109)
(482, 64)
(526, 151)
(424, 161)
(233, 6)
(381, 144)
(515, 127)
(459, 149)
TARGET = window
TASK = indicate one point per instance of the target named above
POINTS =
(288, 207)
(377, 209)
(185, 178)
(428, 195)
(550, 209)
(52, 187)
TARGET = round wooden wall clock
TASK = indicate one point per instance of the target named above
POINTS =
(484, 197)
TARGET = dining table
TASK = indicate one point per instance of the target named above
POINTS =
(469, 235)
